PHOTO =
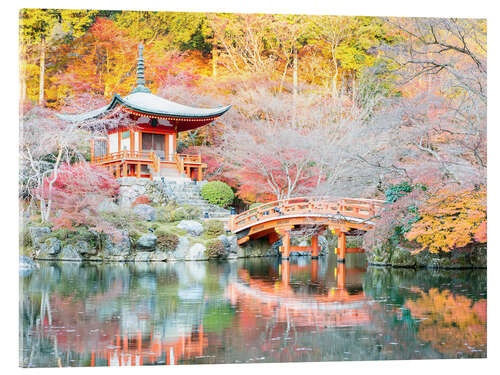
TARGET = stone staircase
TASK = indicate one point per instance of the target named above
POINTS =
(186, 191)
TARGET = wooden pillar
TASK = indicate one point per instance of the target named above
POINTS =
(92, 359)
(200, 173)
(341, 247)
(139, 342)
(124, 170)
(314, 270)
(285, 247)
(138, 171)
(314, 247)
(285, 272)
(341, 276)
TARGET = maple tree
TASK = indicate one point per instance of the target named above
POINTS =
(76, 193)
(450, 220)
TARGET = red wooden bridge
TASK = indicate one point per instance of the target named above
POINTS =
(275, 220)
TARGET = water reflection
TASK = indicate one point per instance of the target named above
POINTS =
(252, 310)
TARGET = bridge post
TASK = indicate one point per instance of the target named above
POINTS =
(341, 247)
(285, 239)
(341, 276)
(314, 247)
(314, 270)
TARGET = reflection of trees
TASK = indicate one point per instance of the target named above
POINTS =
(72, 314)
(451, 323)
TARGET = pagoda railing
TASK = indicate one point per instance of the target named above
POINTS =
(124, 155)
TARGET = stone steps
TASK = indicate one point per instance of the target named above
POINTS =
(188, 192)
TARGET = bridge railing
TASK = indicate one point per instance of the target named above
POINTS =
(358, 208)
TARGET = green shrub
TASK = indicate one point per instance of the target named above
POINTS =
(134, 237)
(166, 241)
(215, 249)
(186, 212)
(214, 228)
(165, 214)
(218, 193)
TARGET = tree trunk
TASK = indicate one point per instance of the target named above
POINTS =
(214, 61)
(42, 72)
(295, 84)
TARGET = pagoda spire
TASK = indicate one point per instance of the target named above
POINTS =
(141, 82)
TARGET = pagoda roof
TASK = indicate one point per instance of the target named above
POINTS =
(141, 102)
(149, 105)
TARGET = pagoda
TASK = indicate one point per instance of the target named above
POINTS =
(144, 144)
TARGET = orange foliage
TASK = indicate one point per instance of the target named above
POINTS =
(451, 220)
(451, 323)
(141, 199)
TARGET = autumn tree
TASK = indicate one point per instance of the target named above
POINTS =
(75, 193)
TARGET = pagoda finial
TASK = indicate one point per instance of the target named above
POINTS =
(141, 82)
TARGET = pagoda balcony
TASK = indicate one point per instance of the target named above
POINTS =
(143, 164)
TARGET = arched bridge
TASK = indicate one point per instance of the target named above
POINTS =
(275, 220)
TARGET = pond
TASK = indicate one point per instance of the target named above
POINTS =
(246, 311)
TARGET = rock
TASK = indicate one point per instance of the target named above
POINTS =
(142, 256)
(146, 242)
(145, 212)
(26, 263)
(181, 250)
(83, 248)
(107, 205)
(196, 252)
(159, 256)
(402, 258)
(50, 248)
(70, 253)
(130, 189)
(192, 227)
(119, 246)
(381, 254)
(230, 244)
(478, 256)
(37, 233)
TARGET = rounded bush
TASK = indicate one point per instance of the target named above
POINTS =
(214, 228)
(166, 241)
(215, 249)
(218, 193)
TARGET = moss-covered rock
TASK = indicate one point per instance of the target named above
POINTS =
(478, 256)
(402, 257)
(380, 255)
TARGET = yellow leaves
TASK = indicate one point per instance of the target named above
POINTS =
(449, 220)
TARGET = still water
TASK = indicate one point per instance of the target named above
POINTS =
(247, 311)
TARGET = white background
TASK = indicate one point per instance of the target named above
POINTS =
(9, 89)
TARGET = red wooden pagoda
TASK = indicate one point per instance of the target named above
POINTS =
(145, 145)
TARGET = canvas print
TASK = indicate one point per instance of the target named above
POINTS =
(211, 188)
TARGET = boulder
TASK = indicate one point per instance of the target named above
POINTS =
(83, 248)
(50, 248)
(230, 244)
(146, 242)
(69, 253)
(118, 245)
(145, 212)
(181, 250)
(478, 256)
(107, 205)
(403, 258)
(196, 252)
(37, 233)
(192, 227)
(26, 263)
